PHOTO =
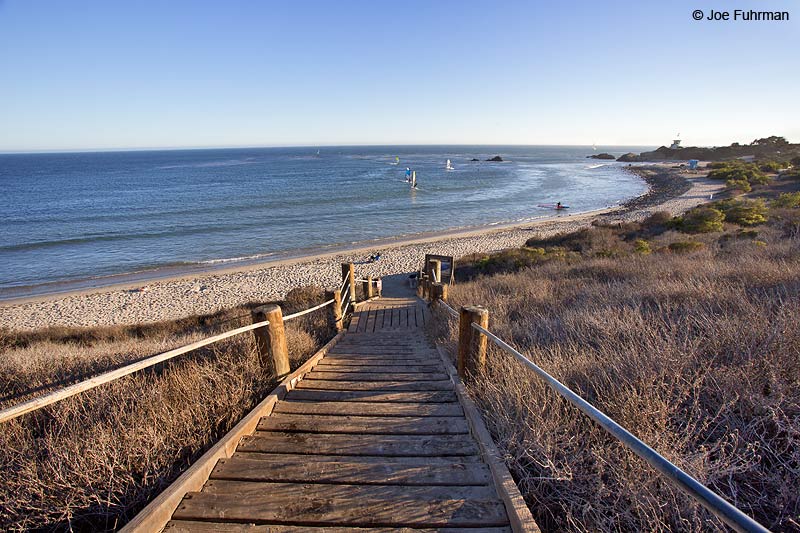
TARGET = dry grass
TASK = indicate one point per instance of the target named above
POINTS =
(89, 463)
(696, 354)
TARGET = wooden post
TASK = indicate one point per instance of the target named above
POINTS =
(426, 287)
(336, 309)
(369, 292)
(420, 275)
(438, 291)
(436, 270)
(349, 273)
(271, 339)
(471, 344)
(379, 287)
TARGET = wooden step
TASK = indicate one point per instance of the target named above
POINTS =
(368, 408)
(386, 386)
(289, 457)
(312, 470)
(267, 508)
(345, 444)
(357, 365)
(376, 376)
(188, 526)
(363, 425)
(371, 396)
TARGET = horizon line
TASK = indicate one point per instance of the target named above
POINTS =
(311, 146)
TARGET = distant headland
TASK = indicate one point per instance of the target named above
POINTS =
(774, 148)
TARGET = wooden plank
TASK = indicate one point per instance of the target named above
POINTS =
(344, 444)
(267, 509)
(160, 509)
(519, 514)
(188, 526)
(388, 386)
(362, 366)
(369, 408)
(364, 425)
(292, 457)
(323, 491)
(376, 376)
(351, 471)
(419, 357)
(348, 396)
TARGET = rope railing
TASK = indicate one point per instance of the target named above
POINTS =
(301, 313)
(702, 494)
(91, 383)
(48, 399)
(344, 284)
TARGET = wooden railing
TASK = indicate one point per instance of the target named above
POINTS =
(267, 327)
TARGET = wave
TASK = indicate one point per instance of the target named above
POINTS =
(211, 164)
(235, 259)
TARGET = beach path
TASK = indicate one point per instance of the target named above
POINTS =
(377, 435)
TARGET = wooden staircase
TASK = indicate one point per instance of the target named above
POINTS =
(373, 438)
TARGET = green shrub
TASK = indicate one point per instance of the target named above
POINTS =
(738, 185)
(702, 220)
(739, 170)
(743, 212)
(642, 247)
(773, 166)
(683, 247)
(787, 200)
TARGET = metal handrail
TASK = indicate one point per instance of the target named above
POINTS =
(705, 496)
(447, 308)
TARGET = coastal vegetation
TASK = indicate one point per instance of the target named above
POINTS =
(683, 329)
(91, 462)
(773, 148)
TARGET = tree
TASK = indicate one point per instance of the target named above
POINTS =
(772, 141)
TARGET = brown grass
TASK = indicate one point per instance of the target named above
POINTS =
(89, 463)
(696, 354)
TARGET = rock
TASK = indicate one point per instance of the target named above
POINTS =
(496, 159)
(474, 159)
(628, 158)
(600, 156)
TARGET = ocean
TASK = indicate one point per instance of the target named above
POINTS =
(71, 220)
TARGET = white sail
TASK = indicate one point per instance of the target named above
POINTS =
(449, 166)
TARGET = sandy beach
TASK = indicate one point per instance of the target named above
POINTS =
(209, 292)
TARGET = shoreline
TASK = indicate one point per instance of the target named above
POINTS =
(135, 279)
(140, 301)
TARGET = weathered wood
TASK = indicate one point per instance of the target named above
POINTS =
(280, 458)
(471, 344)
(352, 471)
(271, 340)
(435, 270)
(349, 273)
(519, 514)
(188, 526)
(265, 508)
(372, 396)
(439, 292)
(344, 444)
(369, 408)
(364, 425)
(358, 365)
(368, 287)
(385, 386)
(160, 509)
(336, 310)
(377, 376)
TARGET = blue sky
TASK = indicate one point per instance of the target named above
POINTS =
(103, 75)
